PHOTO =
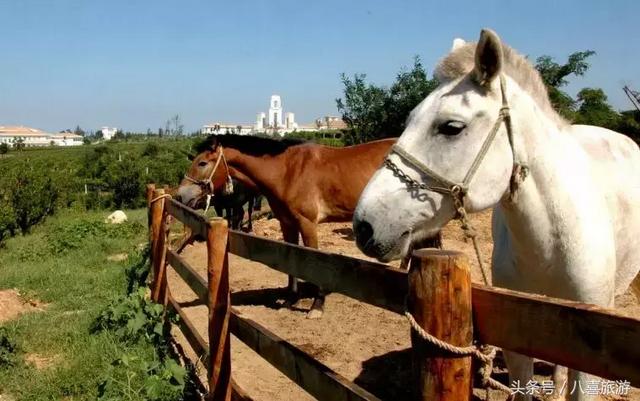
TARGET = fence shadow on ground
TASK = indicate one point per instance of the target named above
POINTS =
(273, 298)
(388, 376)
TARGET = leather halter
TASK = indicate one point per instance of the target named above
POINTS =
(458, 191)
(207, 184)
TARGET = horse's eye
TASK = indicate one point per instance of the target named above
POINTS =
(203, 163)
(451, 128)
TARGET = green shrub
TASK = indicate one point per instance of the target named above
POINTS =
(8, 349)
(136, 318)
(74, 234)
(133, 377)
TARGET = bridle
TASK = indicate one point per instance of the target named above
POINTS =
(207, 184)
(458, 191)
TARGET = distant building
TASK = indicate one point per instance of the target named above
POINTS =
(67, 139)
(221, 128)
(32, 137)
(330, 122)
(108, 132)
(275, 121)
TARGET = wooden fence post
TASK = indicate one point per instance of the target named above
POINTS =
(219, 368)
(440, 302)
(150, 189)
(158, 248)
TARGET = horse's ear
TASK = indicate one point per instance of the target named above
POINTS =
(457, 43)
(489, 58)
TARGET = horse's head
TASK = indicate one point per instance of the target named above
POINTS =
(427, 175)
(207, 174)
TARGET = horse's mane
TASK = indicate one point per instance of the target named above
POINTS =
(252, 145)
(461, 62)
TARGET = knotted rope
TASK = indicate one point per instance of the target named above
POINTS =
(484, 354)
(457, 191)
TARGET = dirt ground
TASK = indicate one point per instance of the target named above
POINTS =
(12, 305)
(363, 343)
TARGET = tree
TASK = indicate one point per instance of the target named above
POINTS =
(79, 131)
(99, 134)
(18, 143)
(174, 126)
(594, 109)
(4, 148)
(373, 112)
(555, 76)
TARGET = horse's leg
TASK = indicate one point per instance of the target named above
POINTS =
(520, 372)
(290, 234)
(249, 213)
(309, 232)
(238, 214)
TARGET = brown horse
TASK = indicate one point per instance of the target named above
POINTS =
(304, 183)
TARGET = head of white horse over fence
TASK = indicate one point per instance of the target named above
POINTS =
(489, 137)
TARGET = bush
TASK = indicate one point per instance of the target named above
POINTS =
(133, 377)
(8, 349)
(32, 198)
(74, 234)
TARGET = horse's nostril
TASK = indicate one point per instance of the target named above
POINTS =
(364, 233)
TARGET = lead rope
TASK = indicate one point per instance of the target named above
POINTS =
(484, 353)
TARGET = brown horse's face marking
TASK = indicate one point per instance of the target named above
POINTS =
(193, 194)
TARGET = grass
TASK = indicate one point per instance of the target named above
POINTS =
(63, 263)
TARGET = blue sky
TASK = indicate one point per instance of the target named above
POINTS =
(133, 64)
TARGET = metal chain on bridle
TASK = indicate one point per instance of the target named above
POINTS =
(458, 191)
(207, 184)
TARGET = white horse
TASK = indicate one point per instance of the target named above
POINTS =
(566, 198)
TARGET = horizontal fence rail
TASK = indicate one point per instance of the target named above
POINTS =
(313, 376)
(579, 336)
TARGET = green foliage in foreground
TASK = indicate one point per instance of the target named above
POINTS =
(102, 340)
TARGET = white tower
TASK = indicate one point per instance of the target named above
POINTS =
(290, 122)
(275, 112)
(260, 121)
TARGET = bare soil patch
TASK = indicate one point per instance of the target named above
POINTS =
(12, 305)
(40, 361)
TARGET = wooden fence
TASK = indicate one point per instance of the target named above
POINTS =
(439, 295)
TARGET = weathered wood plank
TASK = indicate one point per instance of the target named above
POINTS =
(219, 309)
(580, 336)
(195, 281)
(199, 346)
(196, 341)
(374, 283)
(197, 222)
(309, 373)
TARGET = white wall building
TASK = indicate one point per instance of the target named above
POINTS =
(108, 132)
(66, 139)
(31, 137)
(221, 128)
(276, 121)
(272, 122)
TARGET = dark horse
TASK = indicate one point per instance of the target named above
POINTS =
(304, 183)
(233, 204)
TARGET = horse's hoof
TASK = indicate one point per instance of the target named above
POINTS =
(314, 314)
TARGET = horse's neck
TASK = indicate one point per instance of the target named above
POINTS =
(555, 213)
(264, 172)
